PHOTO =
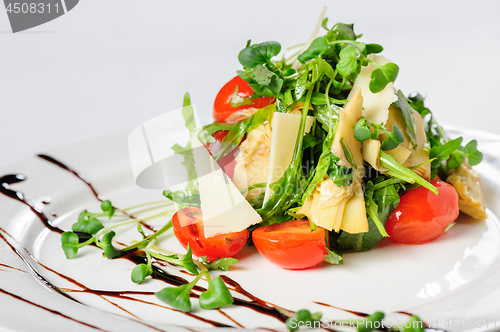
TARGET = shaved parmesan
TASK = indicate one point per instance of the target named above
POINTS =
(375, 105)
(285, 128)
(224, 208)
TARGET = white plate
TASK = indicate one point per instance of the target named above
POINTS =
(452, 283)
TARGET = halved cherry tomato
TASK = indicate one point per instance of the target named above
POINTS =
(222, 104)
(188, 228)
(291, 244)
(421, 216)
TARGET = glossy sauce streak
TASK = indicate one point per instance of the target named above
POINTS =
(85, 180)
(6, 181)
(137, 257)
(47, 309)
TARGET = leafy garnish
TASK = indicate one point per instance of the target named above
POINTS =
(87, 225)
(382, 76)
(406, 111)
(140, 272)
(106, 206)
(70, 244)
(222, 263)
(107, 245)
(216, 296)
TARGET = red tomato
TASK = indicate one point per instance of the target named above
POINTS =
(224, 245)
(422, 216)
(291, 244)
(228, 162)
(222, 106)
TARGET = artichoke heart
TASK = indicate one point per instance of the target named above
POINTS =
(253, 160)
(341, 208)
(467, 183)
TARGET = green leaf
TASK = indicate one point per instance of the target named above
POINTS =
(341, 31)
(205, 135)
(216, 296)
(443, 152)
(188, 114)
(348, 63)
(107, 245)
(222, 263)
(333, 257)
(322, 114)
(184, 197)
(91, 225)
(456, 159)
(406, 111)
(348, 153)
(237, 101)
(69, 244)
(258, 54)
(140, 272)
(362, 131)
(474, 156)
(373, 48)
(397, 170)
(300, 85)
(340, 175)
(106, 206)
(269, 49)
(382, 76)
(177, 297)
(393, 139)
(369, 323)
(318, 47)
(187, 261)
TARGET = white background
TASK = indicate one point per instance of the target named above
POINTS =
(109, 65)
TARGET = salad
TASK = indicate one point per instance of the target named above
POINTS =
(329, 156)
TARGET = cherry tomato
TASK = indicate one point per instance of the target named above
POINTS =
(228, 162)
(224, 245)
(222, 104)
(421, 216)
(291, 244)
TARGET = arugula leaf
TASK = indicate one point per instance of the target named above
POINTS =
(206, 132)
(216, 296)
(406, 111)
(236, 133)
(310, 141)
(318, 47)
(258, 54)
(393, 139)
(69, 244)
(348, 63)
(322, 114)
(188, 114)
(382, 76)
(397, 170)
(222, 263)
(107, 245)
(443, 152)
(348, 153)
(340, 175)
(300, 85)
(324, 162)
(184, 197)
(333, 257)
(177, 297)
(237, 101)
(140, 272)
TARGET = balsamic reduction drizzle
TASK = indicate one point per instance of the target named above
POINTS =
(137, 257)
(6, 181)
(47, 309)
